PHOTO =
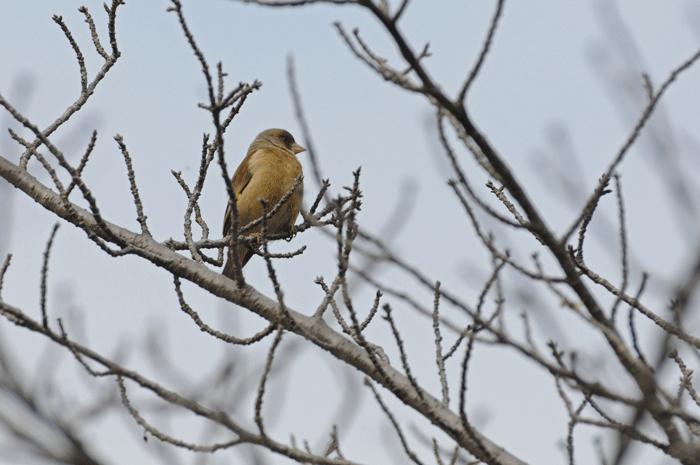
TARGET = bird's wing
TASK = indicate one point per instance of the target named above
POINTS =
(242, 177)
(240, 181)
(227, 219)
(248, 188)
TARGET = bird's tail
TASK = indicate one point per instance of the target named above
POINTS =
(245, 252)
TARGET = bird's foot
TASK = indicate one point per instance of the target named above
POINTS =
(292, 233)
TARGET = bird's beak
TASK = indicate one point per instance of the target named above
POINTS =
(297, 149)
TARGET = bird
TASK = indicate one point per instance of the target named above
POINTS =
(268, 171)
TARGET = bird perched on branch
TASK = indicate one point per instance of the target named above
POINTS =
(269, 171)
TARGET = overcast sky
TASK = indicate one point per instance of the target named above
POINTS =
(562, 77)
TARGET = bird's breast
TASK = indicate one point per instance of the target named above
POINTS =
(276, 168)
(273, 175)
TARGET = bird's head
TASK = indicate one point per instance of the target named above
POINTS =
(279, 138)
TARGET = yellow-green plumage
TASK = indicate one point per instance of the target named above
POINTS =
(268, 171)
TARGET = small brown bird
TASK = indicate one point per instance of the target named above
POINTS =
(268, 171)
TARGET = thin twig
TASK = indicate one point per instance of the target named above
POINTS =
(270, 269)
(263, 380)
(132, 182)
(588, 216)
(438, 348)
(164, 437)
(402, 352)
(484, 50)
(3, 270)
(301, 120)
(394, 423)
(83, 161)
(623, 245)
(177, 8)
(93, 32)
(79, 55)
(400, 10)
(45, 275)
(372, 311)
(463, 178)
(685, 384)
(209, 330)
(633, 331)
(47, 166)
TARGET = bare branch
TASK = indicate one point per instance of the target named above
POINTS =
(113, 369)
(74, 174)
(87, 91)
(643, 119)
(632, 302)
